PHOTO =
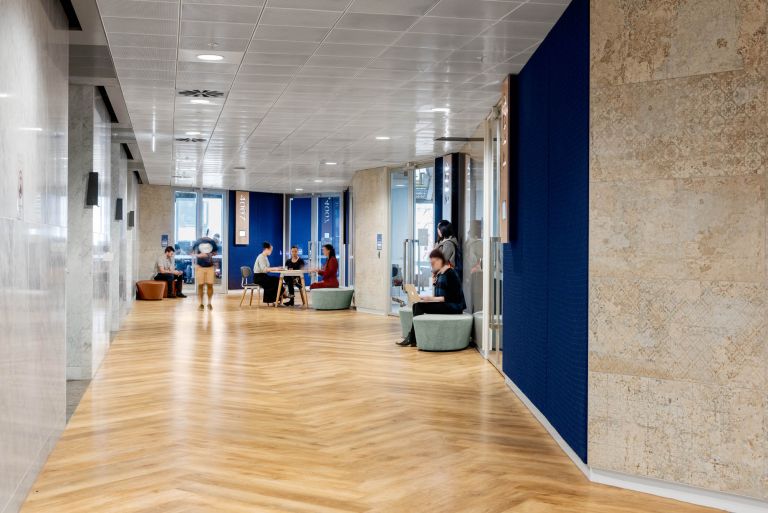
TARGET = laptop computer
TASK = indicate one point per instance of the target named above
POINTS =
(413, 295)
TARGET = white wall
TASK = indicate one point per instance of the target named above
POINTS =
(33, 236)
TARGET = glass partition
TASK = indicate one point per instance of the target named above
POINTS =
(198, 214)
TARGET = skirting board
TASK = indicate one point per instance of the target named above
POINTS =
(680, 492)
(550, 429)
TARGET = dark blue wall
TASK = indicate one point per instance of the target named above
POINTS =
(265, 224)
(545, 264)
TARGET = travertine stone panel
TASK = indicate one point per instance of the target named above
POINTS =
(371, 199)
(155, 218)
(678, 307)
(640, 40)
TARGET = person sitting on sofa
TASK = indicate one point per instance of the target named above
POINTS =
(448, 298)
(296, 263)
(329, 272)
(166, 271)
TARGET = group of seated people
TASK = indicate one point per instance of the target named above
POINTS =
(270, 283)
(204, 250)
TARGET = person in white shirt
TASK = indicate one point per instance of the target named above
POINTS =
(166, 271)
(260, 277)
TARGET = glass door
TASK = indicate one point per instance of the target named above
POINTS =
(314, 221)
(200, 214)
(412, 232)
(493, 275)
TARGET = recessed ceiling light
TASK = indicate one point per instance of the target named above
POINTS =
(382, 138)
(299, 189)
(191, 133)
(31, 129)
(441, 109)
(200, 101)
(210, 57)
(330, 163)
(318, 181)
(5, 95)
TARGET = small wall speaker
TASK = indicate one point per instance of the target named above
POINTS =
(92, 190)
(131, 219)
(119, 209)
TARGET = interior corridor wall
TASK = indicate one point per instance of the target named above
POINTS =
(370, 190)
(33, 232)
(154, 219)
(678, 302)
(545, 263)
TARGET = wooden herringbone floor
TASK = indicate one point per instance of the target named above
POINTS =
(265, 410)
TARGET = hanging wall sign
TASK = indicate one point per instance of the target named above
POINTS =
(242, 220)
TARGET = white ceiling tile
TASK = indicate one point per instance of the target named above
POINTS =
(213, 45)
(411, 7)
(322, 5)
(537, 12)
(347, 50)
(362, 37)
(475, 9)
(441, 41)
(292, 47)
(462, 27)
(519, 29)
(140, 26)
(223, 13)
(392, 22)
(280, 33)
(216, 30)
(299, 18)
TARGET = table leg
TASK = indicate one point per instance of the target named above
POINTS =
(279, 299)
(303, 292)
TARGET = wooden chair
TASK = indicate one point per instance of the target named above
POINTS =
(246, 273)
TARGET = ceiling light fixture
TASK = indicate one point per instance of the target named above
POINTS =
(191, 133)
(210, 57)
(445, 110)
(318, 180)
(200, 102)
(382, 138)
(299, 189)
(330, 163)
(5, 95)
(31, 129)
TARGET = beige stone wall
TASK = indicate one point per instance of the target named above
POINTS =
(370, 189)
(155, 218)
(678, 339)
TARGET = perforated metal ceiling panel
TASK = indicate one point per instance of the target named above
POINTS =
(308, 83)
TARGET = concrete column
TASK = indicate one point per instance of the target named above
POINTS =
(89, 255)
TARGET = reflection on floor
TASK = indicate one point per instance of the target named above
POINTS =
(75, 391)
(290, 410)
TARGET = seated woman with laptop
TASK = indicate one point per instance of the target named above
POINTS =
(447, 300)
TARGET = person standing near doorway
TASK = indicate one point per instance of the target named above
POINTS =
(447, 243)
(204, 249)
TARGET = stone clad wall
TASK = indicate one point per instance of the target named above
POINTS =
(678, 340)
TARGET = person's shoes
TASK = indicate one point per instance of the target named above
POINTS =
(210, 306)
(289, 303)
(182, 296)
(201, 307)
(406, 342)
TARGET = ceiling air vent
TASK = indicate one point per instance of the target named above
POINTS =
(201, 93)
(189, 139)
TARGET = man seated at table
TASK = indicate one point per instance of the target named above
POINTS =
(295, 263)
(261, 268)
(166, 271)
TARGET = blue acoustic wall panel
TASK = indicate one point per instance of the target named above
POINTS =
(265, 224)
(545, 265)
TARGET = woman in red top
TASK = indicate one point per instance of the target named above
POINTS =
(329, 272)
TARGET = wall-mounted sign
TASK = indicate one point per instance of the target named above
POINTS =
(164, 240)
(505, 156)
(242, 217)
(379, 241)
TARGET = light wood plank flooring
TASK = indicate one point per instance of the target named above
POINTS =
(284, 410)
